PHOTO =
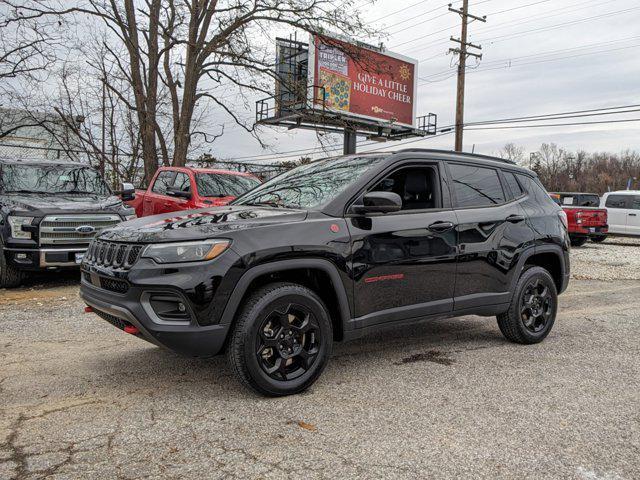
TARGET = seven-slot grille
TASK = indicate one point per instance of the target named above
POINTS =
(112, 254)
(74, 229)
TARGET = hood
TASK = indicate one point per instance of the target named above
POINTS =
(199, 224)
(40, 203)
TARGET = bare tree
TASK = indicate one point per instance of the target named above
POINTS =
(179, 45)
(513, 152)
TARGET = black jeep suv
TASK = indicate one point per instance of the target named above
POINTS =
(333, 250)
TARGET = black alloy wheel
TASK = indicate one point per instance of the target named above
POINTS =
(537, 305)
(281, 340)
(288, 342)
(533, 307)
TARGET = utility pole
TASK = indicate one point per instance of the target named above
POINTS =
(463, 53)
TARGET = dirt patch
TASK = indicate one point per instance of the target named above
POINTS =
(429, 356)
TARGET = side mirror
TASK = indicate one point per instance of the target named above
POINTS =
(128, 192)
(379, 202)
(176, 192)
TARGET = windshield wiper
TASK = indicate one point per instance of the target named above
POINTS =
(24, 191)
(78, 191)
(269, 204)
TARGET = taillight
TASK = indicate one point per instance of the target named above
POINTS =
(563, 218)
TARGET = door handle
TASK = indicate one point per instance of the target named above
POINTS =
(632, 214)
(440, 226)
(515, 218)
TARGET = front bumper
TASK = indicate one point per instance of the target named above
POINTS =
(44, 258)
(192, 339)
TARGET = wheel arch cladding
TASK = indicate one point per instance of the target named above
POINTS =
(319, 275)
(551, 261)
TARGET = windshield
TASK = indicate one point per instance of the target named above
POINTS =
(311, 185)
(224, 185)
(52, 179)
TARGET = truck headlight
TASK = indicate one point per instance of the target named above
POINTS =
(129, 217)
(186, 251)
(16, 223)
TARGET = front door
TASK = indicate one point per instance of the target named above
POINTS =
(404, 262)
(633, 216)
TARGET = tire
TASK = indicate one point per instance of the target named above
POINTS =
(10, 276)
(578, 241)
(277, 321)
(599, 239)
(530, 320)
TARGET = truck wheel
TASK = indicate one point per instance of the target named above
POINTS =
(599, 239)
(282, 340)
(533, 308)
(10, 276)
(578, 241)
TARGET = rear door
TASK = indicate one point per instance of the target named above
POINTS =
(492, 232)
(619, 209)
(404, 262)
(633, 217)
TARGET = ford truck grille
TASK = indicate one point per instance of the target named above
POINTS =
(112, 254)
(74, 229)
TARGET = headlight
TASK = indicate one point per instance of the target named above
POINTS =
(129, 217)
(16, 226)
(186, 251)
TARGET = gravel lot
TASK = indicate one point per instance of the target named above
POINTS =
(449, 399)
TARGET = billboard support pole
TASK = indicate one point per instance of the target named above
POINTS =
(349, 141)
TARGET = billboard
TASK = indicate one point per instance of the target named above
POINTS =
(362, 82)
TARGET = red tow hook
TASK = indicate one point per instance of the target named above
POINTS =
(88, 309)
(131, 329)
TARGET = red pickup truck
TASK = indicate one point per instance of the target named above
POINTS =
(586, 221)
(185, 188)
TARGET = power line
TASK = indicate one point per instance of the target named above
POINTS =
(556, 124)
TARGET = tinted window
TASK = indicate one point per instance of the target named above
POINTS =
(417, 187)
(616, 201)
(588, 201)
(163, 180)
(534, 188)
(636, 203)
(476, 186)
(182, 182)
(515, 187)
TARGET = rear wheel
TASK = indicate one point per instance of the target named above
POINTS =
(282, 340)
(10, 276)
(600, 239)
(533, 308)
(578, 241)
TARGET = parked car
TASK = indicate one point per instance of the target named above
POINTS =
(623, 208)
(585, 217)
(184, 188)
(49, 212)
(334, 250)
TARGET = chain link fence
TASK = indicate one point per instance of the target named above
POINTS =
(133, 171)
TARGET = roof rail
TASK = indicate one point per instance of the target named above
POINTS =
(451, 152)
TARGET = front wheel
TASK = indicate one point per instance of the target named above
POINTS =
(282, 340)
(533, 308)
(10, 276)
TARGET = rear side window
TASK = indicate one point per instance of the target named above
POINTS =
(514, 186)
(636, 203)
(616, 201)
(163, 180)
(476, 186)
(534, 188)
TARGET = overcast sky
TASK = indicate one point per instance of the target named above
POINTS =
(539, 57)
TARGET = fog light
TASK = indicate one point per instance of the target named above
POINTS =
(181, 307)
(21, 256)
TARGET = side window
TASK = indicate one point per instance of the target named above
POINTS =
(163, 180)
(534, 188)
(476, 186)
(182, 182)
(636, 203)
(418, 187)
(616, 201)
(514, 186)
